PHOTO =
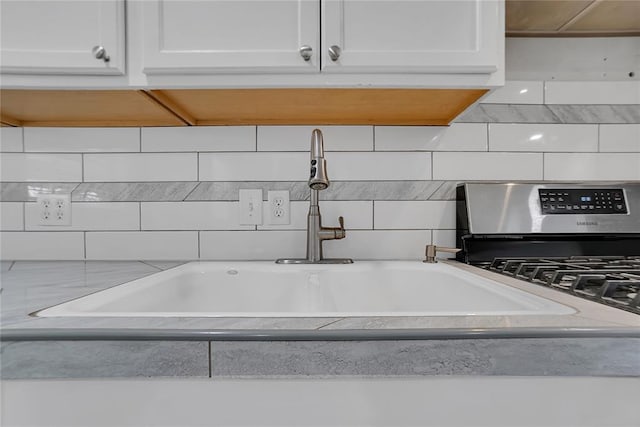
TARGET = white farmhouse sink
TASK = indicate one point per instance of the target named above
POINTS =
(266, 289)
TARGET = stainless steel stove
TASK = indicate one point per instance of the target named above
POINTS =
(582, 239)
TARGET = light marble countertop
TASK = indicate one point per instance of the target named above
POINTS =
(30, 286)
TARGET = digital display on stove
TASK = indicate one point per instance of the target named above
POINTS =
(558, 201)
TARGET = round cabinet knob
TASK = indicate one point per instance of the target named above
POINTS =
(334, 52)
(100, 53)
(306, 51)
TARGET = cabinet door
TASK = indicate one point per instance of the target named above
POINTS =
(421, 36)
(58, 37)
(230, 36)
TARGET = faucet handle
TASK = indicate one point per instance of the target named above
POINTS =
(339, 232)
(432, 250)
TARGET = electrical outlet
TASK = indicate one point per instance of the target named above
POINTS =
(250, 207)
(278, 207)
(54, 209)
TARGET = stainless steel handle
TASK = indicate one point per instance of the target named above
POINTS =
(432, 250)
(100, 53)
(306, 51)
(334, 52)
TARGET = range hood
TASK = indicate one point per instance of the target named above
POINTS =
(205, 107)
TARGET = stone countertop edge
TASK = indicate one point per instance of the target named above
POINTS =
(309, 335)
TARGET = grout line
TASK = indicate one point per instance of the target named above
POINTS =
(150, 265)
(22, 140)
(209, 360)
(24, 216)
(189, 193)
(374, 138)
(488, 140)
(198, 166)
(199, 256)
(432, 153)
(82, 165)
(140, 216)
(373, 214)
(256, 150)
(85, 245)
(140, 139)
(330, 323)
(544, 155)
(598, 138)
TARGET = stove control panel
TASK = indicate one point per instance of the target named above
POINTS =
(582, 201)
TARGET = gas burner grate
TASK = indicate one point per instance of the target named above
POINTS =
(613, 281)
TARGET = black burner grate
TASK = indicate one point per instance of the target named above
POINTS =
(614, 281)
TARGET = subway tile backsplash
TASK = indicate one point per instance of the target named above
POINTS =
(172, 193)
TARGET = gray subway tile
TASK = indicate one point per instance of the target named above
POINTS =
(509, 113)
(228, 190)
(526, 357)
(597, 113)
(380, 190)
(29, 191)
(132, 191)
(103, 359)
(338, 190)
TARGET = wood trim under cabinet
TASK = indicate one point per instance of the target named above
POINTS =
(84, 108)
(326, 106)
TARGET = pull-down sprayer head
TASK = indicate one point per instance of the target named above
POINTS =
(318, 179)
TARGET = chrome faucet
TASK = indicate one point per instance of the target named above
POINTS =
(316, 233)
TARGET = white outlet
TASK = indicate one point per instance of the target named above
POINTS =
(54, 209)
(250, 207)
(278, 207)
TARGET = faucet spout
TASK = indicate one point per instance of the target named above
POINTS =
(318, 178)
(316, 233)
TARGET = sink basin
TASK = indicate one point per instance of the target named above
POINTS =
(266, 289)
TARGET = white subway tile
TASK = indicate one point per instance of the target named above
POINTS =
(414, 214)
(543, 137)
(41, 167)
(42, 245)
(356, 214)
(252, 245)
(380, 244)
(379, 166)
(592, 92)
(10, 139)
(487, 166)
(254, 166)
(199, 138)
(192, 216)
(592, 166)
(295, 166)
(457, 137)
(517, 92)
(145, 245)
(11, 216)
(90, 216)
(298, 138)
(446, 238)
(81, 140)
(140, 167)
(620, 138)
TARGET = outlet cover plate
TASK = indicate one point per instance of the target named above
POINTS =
(250, 207)
(54, 209)
(278, 207)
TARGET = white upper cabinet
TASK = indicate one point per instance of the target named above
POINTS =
(230, 36)
(62, 37)
(409, 36)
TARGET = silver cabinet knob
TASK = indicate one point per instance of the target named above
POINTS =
(306, 51)
(100, 53)
(334, 52)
